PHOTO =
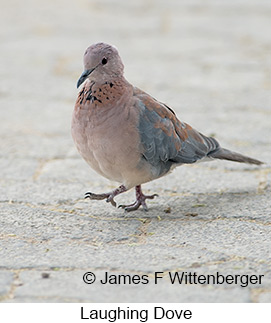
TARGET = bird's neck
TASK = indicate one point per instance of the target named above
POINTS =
(103, 94)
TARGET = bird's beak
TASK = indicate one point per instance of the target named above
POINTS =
(84, 75)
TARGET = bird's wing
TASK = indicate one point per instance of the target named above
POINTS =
(167, 140)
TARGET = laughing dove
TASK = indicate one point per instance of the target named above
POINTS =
(126, 135)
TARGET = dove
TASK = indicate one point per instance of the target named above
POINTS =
(128, 136)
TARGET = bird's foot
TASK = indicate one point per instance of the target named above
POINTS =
(140, 200)
(108, 196)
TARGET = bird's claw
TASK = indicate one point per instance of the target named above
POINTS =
(93, 196)
(108, 196)
(139, 201)
(111, 200)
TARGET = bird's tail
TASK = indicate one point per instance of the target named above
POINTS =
(222, 153)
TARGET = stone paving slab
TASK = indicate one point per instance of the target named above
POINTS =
(211, 63)
(6, 279)
(37, 288)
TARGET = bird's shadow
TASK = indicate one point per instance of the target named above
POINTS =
(202, 205)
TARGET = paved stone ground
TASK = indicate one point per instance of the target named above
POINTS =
(210, 61)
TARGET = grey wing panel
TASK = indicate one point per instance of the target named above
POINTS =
(196, 147)
(160, 146)
(166, 142)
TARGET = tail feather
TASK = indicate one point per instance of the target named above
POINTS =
(222, 153)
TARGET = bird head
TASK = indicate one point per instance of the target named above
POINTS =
(101, 63)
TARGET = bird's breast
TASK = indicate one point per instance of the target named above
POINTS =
(107, 138)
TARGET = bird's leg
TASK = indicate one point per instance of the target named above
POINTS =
(140, 200)
(108, 196)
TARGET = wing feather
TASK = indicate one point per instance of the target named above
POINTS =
(166, 140)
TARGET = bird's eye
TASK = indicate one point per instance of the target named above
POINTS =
(104, 61)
